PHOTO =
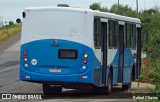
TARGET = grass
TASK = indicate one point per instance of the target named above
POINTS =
(8, 31)
(151, 74)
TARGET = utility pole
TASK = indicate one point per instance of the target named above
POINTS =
(118, 5)
(137, 5)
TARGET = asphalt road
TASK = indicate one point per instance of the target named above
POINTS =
(10, 83)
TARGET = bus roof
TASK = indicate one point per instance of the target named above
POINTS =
(117, 17)
(94, 12)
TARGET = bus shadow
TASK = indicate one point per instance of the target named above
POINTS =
(117, 93)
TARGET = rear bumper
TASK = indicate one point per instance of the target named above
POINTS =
(85, 77)
(54, 78)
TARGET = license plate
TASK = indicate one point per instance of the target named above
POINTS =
(55, 70)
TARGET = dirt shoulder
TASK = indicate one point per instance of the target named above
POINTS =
(143, 87)
(9, 42)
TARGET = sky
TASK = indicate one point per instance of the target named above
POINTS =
(12, 9)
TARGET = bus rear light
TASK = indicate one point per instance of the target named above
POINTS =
(85, 61)
(24, 53)
(80, 77)
(26, 65)
(25, 59)
(25, 76)
(83, 77)
(85, 55)
(84, 67)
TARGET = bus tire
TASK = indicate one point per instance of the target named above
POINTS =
(126, 87)
(109, 85)
(104, 90)
(49, 89)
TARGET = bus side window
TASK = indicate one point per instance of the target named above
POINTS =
(110, 33)
(113, 34)
(133, 37)
(97, 32)
(117, 34)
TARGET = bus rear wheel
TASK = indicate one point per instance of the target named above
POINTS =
(126, 87)
(104, 90)
(109, 86)
(49, 89)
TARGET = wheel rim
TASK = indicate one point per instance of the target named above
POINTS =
(109, 84)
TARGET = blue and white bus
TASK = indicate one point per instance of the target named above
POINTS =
(66, 47)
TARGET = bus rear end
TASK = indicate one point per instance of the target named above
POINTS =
(55, 48)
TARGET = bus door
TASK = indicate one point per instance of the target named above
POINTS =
(121, 51)
(104, 48)
(138, 59)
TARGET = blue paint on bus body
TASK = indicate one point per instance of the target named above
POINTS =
(68, 70)
(127, 67)
(46, 54)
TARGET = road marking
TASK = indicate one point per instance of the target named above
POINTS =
(9, 68)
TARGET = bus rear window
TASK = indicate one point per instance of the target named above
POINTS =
(67, 54)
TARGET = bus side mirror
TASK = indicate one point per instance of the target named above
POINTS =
(18, 20)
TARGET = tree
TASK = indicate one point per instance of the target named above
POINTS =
(11, 23)
(123, 10)
(97, 6)
(104, 9)
(150, 11)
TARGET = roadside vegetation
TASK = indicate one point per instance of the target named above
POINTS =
(9, 30)
(150, 39)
